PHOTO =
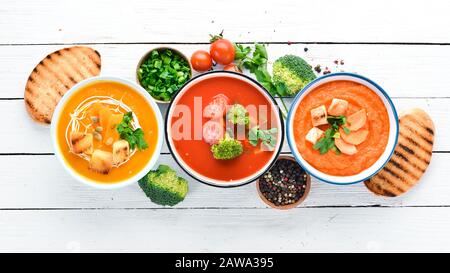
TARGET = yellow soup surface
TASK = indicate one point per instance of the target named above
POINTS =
(139, 106)
(358, 97)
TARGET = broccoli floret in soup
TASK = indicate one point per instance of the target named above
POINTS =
(238, 115)
(227, 148)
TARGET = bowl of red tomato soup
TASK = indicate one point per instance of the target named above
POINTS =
(224, 129)
(342, 128)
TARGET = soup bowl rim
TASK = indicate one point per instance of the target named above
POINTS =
(92, 182)
(388, 150)
(216, 182)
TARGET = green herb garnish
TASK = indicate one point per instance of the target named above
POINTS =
(268, 137)
(257, 65)
(163, 73)
(241, 52)
(338, 120)
(134, 137)
(327, 142)
(346, 130)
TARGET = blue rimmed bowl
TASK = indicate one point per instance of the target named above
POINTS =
(393, 131)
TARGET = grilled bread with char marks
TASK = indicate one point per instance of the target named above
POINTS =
(411, 156)
(55, 75)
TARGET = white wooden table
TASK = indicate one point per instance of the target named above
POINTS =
(403, 46)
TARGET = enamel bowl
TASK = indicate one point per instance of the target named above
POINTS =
(393, 132)
(150, 164)
(195, 174)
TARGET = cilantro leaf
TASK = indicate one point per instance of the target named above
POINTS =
(241, 52)
(336, 120)
(268, 137)
(257, 65)
(134, 137)
(326, 143)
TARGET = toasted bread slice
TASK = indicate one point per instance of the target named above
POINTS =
(121, 151)
(411, 156)
(101, 162)
(54, 76)
(81, 143)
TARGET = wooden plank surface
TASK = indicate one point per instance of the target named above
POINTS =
(404, 71)
(49, 21)
(227, 230)
(42, 183)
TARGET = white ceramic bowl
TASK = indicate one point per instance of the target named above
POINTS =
(208, 180)
(137, 176)
(393, 132)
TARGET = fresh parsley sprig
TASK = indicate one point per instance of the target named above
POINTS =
(134, 137)
(327, 142)
(268, 137)
(256, 63)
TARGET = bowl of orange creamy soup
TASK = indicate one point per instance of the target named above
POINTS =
(107, 132)
(342, 128)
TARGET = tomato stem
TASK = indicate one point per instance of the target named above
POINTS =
(216, 37)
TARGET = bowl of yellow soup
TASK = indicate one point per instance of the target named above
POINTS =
(107, 132)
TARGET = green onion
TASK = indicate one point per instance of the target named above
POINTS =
(163, 73)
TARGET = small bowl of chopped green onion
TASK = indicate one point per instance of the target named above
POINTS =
(162, 72)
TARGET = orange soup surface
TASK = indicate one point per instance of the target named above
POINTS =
(138, 105)
(197, 153)
(358, 97)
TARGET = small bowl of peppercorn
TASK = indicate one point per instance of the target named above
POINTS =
(285, 185)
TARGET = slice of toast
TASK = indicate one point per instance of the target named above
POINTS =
(411, 157)
(55, 75)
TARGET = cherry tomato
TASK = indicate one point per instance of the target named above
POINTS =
(222, 51)
(201, 61)
(232, 67)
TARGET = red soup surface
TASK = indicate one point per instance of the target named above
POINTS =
(358, 97)
(196, 153)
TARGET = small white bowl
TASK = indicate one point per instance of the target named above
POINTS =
(393, 132)
(90, 182)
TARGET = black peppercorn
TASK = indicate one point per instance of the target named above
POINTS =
(284, 184)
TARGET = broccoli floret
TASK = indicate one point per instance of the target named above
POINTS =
(237, 114)
(227, 148)
(292, 71)
(164, 187)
